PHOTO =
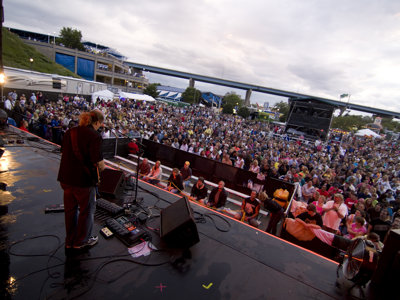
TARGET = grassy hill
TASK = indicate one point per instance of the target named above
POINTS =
(16, 54)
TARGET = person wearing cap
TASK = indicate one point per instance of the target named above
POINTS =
(199, 191)
(186, 173)
(133, 148)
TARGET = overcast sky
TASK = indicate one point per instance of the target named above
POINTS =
(319, 47)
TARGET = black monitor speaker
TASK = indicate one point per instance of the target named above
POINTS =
(177, 228)
(110, 182)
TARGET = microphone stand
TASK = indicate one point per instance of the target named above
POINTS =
(116, 141)
(140, 152)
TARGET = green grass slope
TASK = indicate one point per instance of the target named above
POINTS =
(16, 54)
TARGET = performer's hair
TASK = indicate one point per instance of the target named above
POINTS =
(89, 118)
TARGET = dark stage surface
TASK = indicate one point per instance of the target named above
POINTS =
(242, 263)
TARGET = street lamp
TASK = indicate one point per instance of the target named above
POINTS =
(31, 61)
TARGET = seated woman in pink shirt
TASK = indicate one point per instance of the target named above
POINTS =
(319, 204)
(357, 228)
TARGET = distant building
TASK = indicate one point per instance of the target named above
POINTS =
(98, 63)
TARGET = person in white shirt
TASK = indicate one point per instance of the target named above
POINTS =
(296, 182)
(33, 98)
(239, 162)
(106, 133)
(7, 105)
(334, 211)
(184, 146)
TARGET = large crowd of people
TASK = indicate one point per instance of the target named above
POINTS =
(353, 184)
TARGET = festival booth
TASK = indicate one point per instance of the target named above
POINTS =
(140, 97)
(367, 133)
(105, 95)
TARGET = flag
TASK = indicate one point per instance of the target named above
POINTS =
(344, 96)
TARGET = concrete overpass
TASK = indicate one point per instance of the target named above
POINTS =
(256, 88)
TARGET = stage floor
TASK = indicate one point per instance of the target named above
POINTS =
(231, 261)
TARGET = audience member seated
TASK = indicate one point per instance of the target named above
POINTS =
(186, 173)
(351, 218)
(217, 196)
(357, 228)
(319, 204)
(311, 216)
(144, 168)
(199, 191)
(155, 175)
(249, 210)
(381, 225)
(175, 182)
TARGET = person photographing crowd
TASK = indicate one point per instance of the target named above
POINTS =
(81, 162)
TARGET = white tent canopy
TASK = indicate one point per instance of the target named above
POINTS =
(103, 95)
(367, 132)
(136, 96)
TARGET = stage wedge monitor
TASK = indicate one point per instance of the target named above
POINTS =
(178, 229)
(110, 182)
